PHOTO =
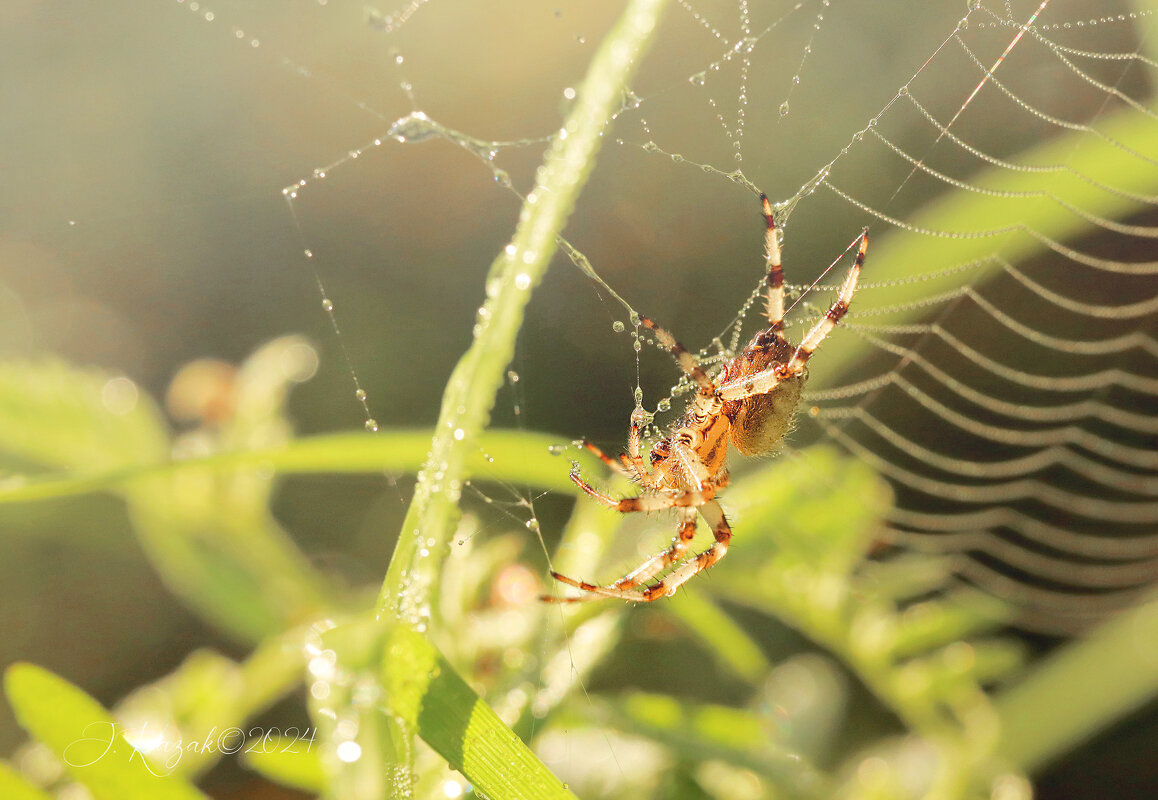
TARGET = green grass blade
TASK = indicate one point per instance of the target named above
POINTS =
(517, 457)
(85, 738)
(1081, 689)
(425, 691)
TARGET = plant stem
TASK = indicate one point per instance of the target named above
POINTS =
(470, 392)
(407, 592)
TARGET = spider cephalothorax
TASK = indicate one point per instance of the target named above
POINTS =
(751, 403)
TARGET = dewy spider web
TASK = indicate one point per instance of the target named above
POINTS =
(998, 365)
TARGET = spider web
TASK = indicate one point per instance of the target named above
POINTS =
(998, 365)
(1009, 397)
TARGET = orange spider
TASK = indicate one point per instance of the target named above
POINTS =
(752, 402)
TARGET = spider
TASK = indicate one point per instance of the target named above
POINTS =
(751, 401)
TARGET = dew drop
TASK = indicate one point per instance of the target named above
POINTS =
(372, 425)
(360, 394)
(618, 326)
(328, 305)
(784, 109)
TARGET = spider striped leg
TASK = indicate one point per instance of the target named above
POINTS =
(836, 311)
(623, 465)
(655, 564)
(646, 502)
(714, 515)
(683, 357)
(774, 298)
(760, 383)
(634, 454)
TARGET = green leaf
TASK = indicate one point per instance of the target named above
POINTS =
(84, 736)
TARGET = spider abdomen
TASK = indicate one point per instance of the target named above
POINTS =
(761, 421)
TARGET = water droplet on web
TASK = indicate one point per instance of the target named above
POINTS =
(699, 79)
(638, 345)
(372, 425)
(308, 253)
(328, 305)
(360, 394)
(533, 524)
(618, 326)
(512, 376)
(414, 127)
(556, 449)
(663, 405)
(784, 109)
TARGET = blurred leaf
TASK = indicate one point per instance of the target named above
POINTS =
(1081, 688)
(87, 739)
(700, 732)
(1107, 156)
(721, 635)
(13, 786)
(289, 761)
(60, 417)
(209, 693)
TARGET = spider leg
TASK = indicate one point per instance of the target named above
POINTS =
(683, 357)
(647, 502)
(758, 383)
(623, 466)
(713, 514)
(647, 569)
(634, 454)
(764, 381)
(836, 311)
(774, 299)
